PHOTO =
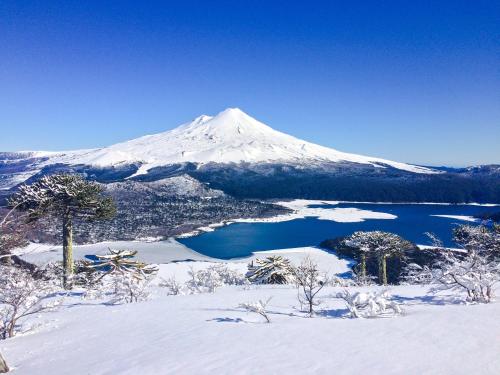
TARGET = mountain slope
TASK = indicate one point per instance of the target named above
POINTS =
(230, 137)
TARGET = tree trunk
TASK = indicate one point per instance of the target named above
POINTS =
(67, 250)
(3, 365)
(382, 269)
(362, 271)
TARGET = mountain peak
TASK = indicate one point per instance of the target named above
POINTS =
(233, 111)
(234, 115)
(232, 136)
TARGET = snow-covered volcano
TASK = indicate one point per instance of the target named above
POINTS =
(232, 136)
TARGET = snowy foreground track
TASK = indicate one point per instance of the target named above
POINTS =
(207, 334)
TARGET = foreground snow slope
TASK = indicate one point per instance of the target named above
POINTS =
(232, 136)
(207, 334)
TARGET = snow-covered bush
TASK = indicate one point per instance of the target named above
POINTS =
(172, 285)
(229, 276)
(474, 270)
(479, 238)
(82, 277)
(336, 281)
(21, 296)
(128, 287)
(258, 307)
(415, 274)
(203, 281)
(271, 270)
(120, 287)
(370, 304)
(309, 282)
(474, 273)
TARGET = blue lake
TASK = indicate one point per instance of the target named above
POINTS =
(413, 220)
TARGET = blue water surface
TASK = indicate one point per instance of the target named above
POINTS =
(413, 220)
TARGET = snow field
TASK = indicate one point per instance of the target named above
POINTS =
(208, 334)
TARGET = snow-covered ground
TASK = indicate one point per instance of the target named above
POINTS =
(209, 334)
(460, 217)
(147, 251)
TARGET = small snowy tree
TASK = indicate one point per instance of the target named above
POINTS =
(67, 197)
(13, 229)
(258, 307)
(309, 282)
(475, 270)
(271, 270)
(478, 238)
(12, 234)
(381, 244)
(370, 304)
(21, 296)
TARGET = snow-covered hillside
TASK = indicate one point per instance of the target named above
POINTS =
(182, 185)
(232, 136)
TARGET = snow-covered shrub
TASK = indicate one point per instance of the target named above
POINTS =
(479, 238)
(213, 277)
(271, 270)
(203, 281)
(415, 274)
(172, 285)
(474, 270)
(120, 287)
(229, 276)
(474, 273)
(370, 304)
(21, 295)
(309, 282)
(128, 287)
(258, 307)
(336, 281)
(82, 277)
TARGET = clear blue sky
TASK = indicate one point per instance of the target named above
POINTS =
(414, 81)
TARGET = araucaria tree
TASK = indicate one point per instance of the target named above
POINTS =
(67, 197)
(272, 270)
(381, 244)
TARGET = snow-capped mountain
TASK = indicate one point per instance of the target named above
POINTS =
(239, 155)
(232, 136)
